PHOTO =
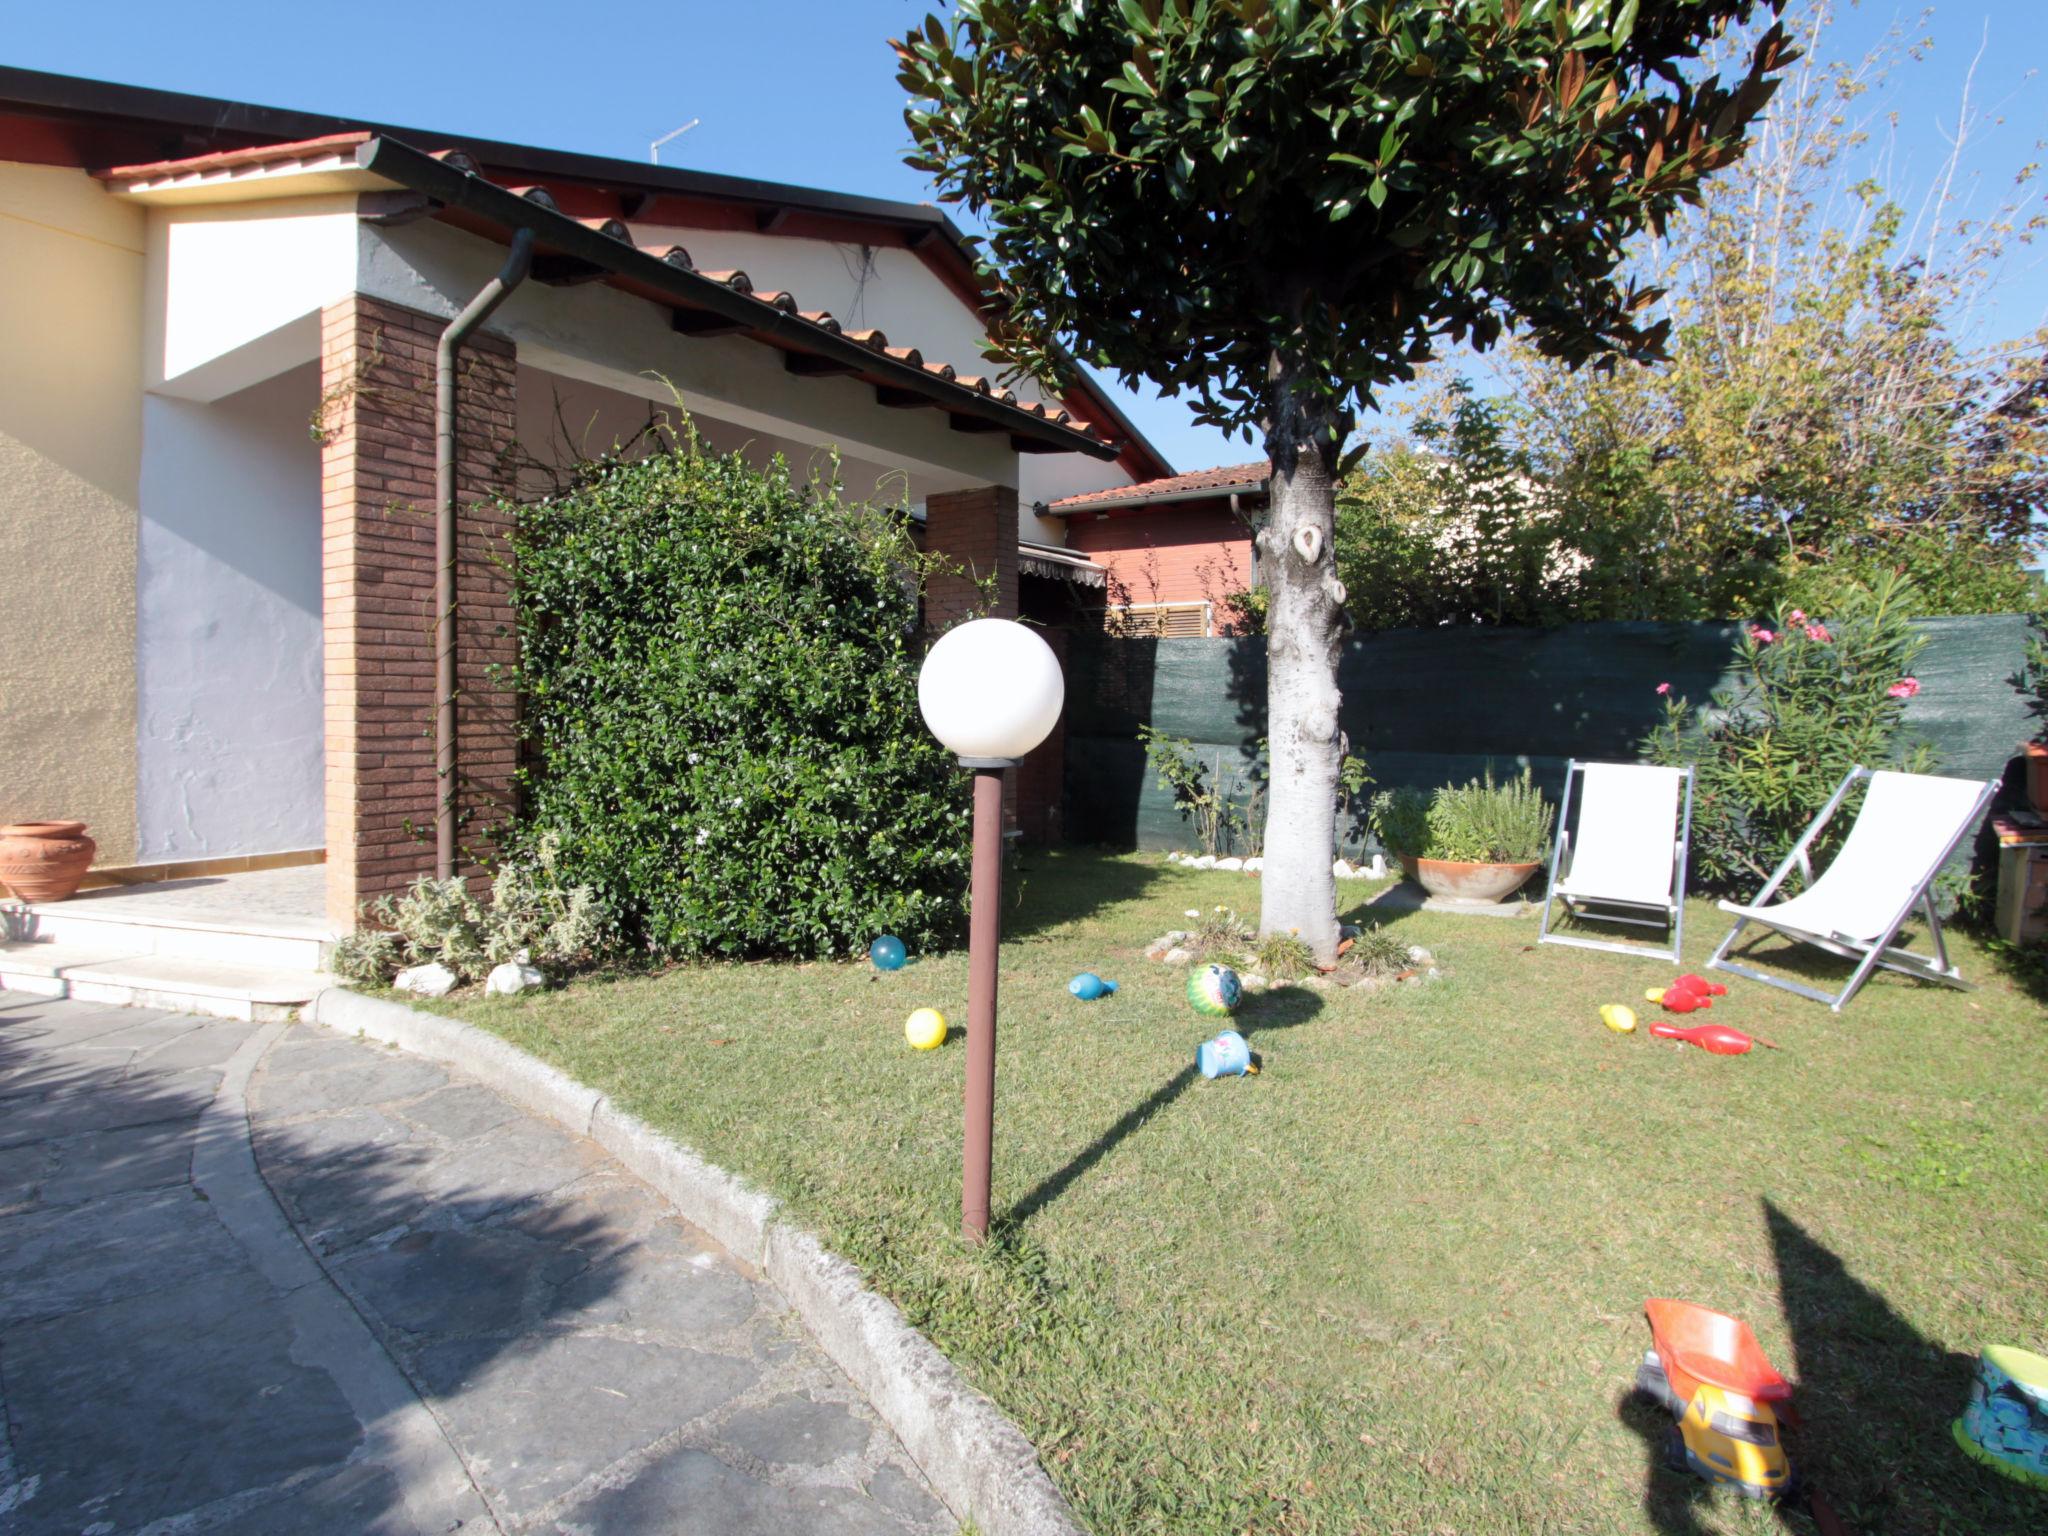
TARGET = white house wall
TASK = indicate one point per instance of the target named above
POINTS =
(228, 640)
(235, 290)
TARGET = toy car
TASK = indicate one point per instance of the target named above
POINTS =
(1709, 1371)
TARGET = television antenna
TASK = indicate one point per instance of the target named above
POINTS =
(654, 149)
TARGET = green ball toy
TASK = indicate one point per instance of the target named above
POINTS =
(1214, 991)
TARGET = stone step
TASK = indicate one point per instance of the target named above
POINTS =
(284, 945)
(183, 983)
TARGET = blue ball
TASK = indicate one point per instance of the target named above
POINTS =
(888, 953)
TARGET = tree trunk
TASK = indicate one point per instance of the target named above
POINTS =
(1304, 620)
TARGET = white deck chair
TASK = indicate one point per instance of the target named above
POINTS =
(1628, 863)
(1909, 826)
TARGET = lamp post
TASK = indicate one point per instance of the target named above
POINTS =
(990, 690)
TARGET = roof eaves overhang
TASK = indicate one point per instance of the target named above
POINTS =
(468, 200)
(1135, 502)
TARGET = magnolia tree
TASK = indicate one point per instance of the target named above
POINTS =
(1280, 206)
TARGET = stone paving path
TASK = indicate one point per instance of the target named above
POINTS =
(266, 1279)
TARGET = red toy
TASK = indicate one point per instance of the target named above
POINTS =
(1718, 1038)
(1678, 1000)
(1701, 985)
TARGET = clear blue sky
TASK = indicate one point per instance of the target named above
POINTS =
(799, 91)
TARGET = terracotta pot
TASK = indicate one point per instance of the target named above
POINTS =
(1467, 882)
(2037, 775)
(44, 860)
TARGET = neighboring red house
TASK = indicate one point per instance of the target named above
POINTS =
(1174, 549)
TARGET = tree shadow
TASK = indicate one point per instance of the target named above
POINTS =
(1050, 888)
(1261, 1015)
(127, 1200)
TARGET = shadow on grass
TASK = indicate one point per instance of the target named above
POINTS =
(1273, 1011)
(1049, 888)
(1871, 1448)
(1775, 953)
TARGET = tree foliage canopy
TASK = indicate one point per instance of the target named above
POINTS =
(1830, 412)
(1192, 189)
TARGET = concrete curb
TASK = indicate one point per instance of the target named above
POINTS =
(978, 1462)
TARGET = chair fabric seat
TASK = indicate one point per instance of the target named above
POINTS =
(1906, 824)
(1625, 846)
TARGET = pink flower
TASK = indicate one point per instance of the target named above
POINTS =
(1818, 632)
(1761, 635)
(1662, 689)
(1796, 616)
(1904, 688)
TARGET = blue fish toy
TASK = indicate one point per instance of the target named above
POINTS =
(1088, 986)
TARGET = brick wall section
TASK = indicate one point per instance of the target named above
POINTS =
(1189, 552)
(975, 530)
(377, 499)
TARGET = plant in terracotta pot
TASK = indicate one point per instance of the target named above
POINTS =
(44, 860)
(1474, 842)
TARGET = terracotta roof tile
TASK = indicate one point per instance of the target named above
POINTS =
(299, 149)
(1231, 477)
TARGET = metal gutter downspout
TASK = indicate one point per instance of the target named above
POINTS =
(517, 264)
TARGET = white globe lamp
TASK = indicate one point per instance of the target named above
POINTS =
(991, 690)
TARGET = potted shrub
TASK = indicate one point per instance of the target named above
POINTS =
(1473, 842)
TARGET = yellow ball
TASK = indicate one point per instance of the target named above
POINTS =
(1653, 994)
(925, 1029)
(1618, 1017)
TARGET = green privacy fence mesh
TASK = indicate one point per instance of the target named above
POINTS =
(1430, 707)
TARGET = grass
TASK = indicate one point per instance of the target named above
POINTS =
(1394, 1283)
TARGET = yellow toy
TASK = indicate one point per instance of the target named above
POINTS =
(1709, 1371)
(1653, 994)
(1618, 1017)
(925, 1029)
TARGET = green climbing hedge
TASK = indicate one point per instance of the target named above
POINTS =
(718, 670)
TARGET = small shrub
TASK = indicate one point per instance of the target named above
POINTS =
(437, 921)
(533, 913)
(1283, 957)
(1480, 822)
(1400, 819)
(1814, 698)
(1222, 938)
(1203, 793)
(1377, 952)
(369, 956)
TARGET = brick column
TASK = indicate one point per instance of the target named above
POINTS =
(377, 499)
(977, 531)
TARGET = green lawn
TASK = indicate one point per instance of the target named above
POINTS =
(1394, 1284)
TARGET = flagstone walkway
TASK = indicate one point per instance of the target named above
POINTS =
(266, 1279)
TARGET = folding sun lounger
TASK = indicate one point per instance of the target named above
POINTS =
(1628, 863)
(1909, 826)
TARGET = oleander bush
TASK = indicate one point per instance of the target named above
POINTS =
(718, 668)
(1815, 696)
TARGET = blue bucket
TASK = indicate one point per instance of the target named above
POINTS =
(1228, 1055)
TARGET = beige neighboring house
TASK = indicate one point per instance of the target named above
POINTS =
(217, 444)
